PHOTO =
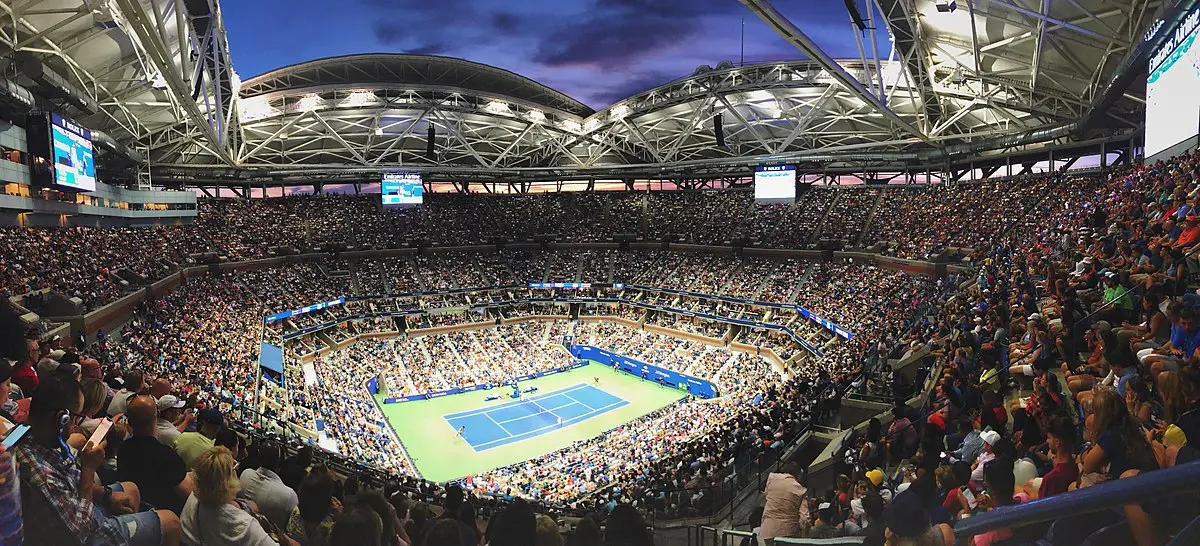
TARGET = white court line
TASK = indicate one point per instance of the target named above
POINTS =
(580, 403)
(584, 417)
(507, 404)
(497, 424)
(544, 410)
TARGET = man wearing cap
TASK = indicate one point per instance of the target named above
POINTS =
(1116, 305)
(171, 420)
(190, 445)
(990, 438)
(159, 472)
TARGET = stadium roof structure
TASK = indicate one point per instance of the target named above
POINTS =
(129, 69)
(986, 79)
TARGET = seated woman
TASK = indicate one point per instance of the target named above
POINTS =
(1088, 374)
(212, 516)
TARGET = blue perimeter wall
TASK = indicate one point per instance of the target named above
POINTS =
(694, 386)
(697, 387)
(373, 386)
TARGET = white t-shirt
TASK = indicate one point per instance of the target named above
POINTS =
(226, 525)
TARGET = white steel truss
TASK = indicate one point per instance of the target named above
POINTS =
(161, 76)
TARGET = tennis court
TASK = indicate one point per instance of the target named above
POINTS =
(427, 427)
(518, 420)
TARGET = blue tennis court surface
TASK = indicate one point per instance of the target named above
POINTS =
(523, 419)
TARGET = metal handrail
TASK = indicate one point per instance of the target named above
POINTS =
(1178, 480)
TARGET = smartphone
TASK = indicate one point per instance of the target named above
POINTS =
(101, 432)
(971, 500)
(15, 436)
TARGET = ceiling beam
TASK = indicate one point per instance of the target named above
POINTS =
(163, 60)
(784, 27)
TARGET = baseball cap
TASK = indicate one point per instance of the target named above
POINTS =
(212, 416)
(990, 437)
(1035, 316)
(169, 401)
(876, 477)
(905, 516)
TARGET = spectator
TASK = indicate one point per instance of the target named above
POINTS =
(189, 445)
(453, 504)
(1060, 440)
(171, 419)
(517, 526)
(1000, 486)
(875, 528)
(785, 512)
(60, 492)
(158, 471)
(132, 382)
(586, 533)
(991, 439)
(626, 528)
(547, 532)
(95, 396)
(908, 524)
(314, 515)
(8, 419)
(1117, 443)
(263, 486)
(392, 533)
(211, 516)
(357, 525)
(24, 374)
(445, 532)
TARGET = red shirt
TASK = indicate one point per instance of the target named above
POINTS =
(1188, 237)
(1058, 479)
(26, 377)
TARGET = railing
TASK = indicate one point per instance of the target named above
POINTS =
(1157, 485)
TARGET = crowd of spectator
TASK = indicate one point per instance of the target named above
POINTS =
(1085, 319)
(1082, 293)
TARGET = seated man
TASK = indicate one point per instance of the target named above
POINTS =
(1185, 339)
(157, 470)
(59, 490)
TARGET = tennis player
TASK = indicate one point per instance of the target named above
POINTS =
(461, 430)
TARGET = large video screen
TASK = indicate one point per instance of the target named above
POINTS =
(74, 164)
(1173, 89)
(775, 184)
(402, 189)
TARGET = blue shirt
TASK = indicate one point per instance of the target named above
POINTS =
(1123, 380)
(1184, 341)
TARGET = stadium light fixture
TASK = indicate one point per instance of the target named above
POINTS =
(947, 6)
(358, 98)
(310, 102)
(254, 108)
(497, 107)
(537, 116)
(572, 126)
(619, 111)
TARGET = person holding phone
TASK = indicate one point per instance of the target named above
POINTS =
(59, 486)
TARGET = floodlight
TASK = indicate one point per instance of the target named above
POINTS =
(945, 6)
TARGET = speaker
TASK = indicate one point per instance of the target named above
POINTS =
(852, 7)
(430, 135)
(719, 131)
